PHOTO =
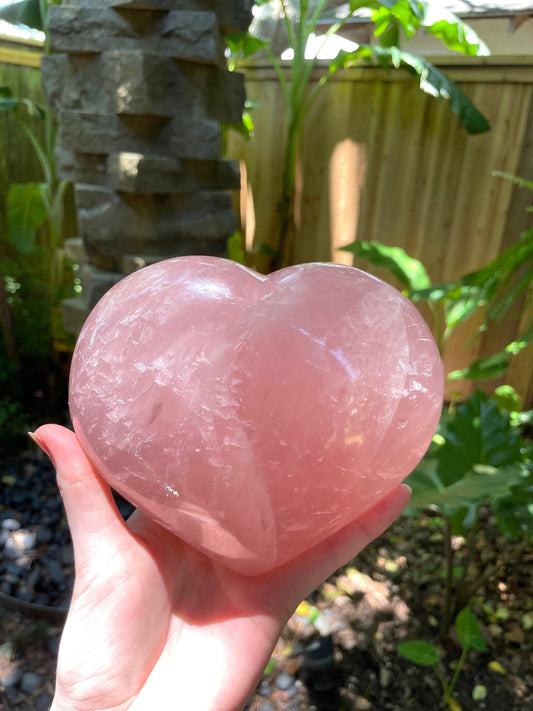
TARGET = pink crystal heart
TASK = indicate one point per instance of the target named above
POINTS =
(254, 416)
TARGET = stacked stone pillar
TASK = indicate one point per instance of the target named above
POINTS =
(142, 88)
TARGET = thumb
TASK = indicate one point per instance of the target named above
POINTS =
(92, 515)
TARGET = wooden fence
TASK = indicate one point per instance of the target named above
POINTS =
(381, 160)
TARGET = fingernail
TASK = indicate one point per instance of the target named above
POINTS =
(40, 443)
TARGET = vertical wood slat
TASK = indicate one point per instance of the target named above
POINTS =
(396, 166)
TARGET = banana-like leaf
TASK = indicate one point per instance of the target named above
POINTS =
(390, 16)
(411, 15)
(432, 80)
(409, 271)
(451, 30)
(25, 12)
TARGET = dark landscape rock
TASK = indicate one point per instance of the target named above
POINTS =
(43, 701)
(36, 554)
(30, 682)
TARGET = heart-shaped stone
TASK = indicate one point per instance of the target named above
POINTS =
(254, 416)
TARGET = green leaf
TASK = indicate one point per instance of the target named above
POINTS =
(499, 282)
(483, 368)
(34, 110)
(432, 80)
(245, 128)
(248, 123)
(270, 666)
(315, 614)
(453, 32)
(487, 367)
(462, 304)
(25, 12)
(499, 308)
(235, 248)
(468, 631)
(457, 572)
(477, 433)
(407, 270)
(471, 490)
(424, 481)
(515, 179)
(27, 210)
(436, 19)
(244, 44)
(482, 457)
(479, 692)
(522, 419)
(390, 37)
(265, 249)
(514, 513)
(402, 13)
(8, 104)
(420, 652)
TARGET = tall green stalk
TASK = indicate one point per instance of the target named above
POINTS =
(299, 96)
(299, 99)
(49, 212)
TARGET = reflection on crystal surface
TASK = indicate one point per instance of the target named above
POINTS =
(254, 416)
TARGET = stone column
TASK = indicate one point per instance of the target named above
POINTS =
(142, 88)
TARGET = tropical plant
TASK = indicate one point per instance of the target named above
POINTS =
(33, 256)
(34, 210)
(494, 287)
(393, 19)
(478, 456)
(428, 655)
(31, 205)
(34, 273)
(31, 13)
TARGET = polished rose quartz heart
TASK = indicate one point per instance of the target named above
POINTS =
(254, 416)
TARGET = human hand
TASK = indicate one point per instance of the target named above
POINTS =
(153, 623)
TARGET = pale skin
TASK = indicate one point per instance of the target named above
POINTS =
(154, 624)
